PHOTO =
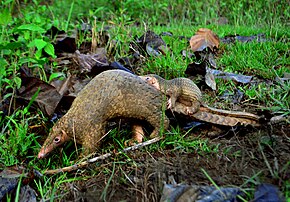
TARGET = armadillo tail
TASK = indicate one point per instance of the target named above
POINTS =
(223, 120)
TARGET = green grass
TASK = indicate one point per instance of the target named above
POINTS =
(261, 59)
(29, 21)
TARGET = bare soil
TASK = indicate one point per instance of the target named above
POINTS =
(245, 158)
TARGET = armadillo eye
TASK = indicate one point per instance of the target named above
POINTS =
(56, 140)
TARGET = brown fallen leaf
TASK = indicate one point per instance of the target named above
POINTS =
(204, 38)
(204, 44)
(47, 98)
(62, 86)
(88, 61)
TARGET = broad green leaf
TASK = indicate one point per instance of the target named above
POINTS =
(91, 13)
(27, 35)
(8, 81)
(17, 81)
(13, 45)
(38, 43)
(31, 27)
(5, 17)
(38, 54)
(6, 52)
(3, 63)
(31, 44)
(7, 2)
(56, 75)
(49, 49)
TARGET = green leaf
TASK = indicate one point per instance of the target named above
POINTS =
(17, 81)
(56, 75)
(3, 63)
(6, 52)
(49, 49)
(31, 27)
(26, 35)
(5, 17)
(38, 43)
(99, 9)
(3, 73)
(6, 2)
(8, 81)
(13, 45)
(38, 54)
(7, 95)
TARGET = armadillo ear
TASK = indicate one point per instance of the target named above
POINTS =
(64, 136)
(153, 80)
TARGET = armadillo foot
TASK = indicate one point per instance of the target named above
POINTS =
(137, 136)
(154, 134)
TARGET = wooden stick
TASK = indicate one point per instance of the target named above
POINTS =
(102, 157)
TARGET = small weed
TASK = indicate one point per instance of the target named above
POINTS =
(104, 193)
(49, 188)
(225, 86)
(14, 139)
(178, 141)
(275, 97)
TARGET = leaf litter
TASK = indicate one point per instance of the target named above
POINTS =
(11, 176)
(204, 46)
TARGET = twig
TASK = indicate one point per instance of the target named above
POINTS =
(102, 157)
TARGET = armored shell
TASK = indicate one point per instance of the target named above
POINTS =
(111, 94)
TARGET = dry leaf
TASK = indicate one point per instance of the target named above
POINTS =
(47, 98)
(204, 38)
(9, 178)
(244, 39)
(184, 192)
(62, 86)
(209, 79)
(151, 43)
(232, 76)
(88, 61)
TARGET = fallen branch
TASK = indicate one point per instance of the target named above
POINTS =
(102, 157)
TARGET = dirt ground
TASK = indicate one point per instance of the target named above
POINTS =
(245, 158)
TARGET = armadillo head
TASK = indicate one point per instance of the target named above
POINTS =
(55, 138)
(150, 79)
